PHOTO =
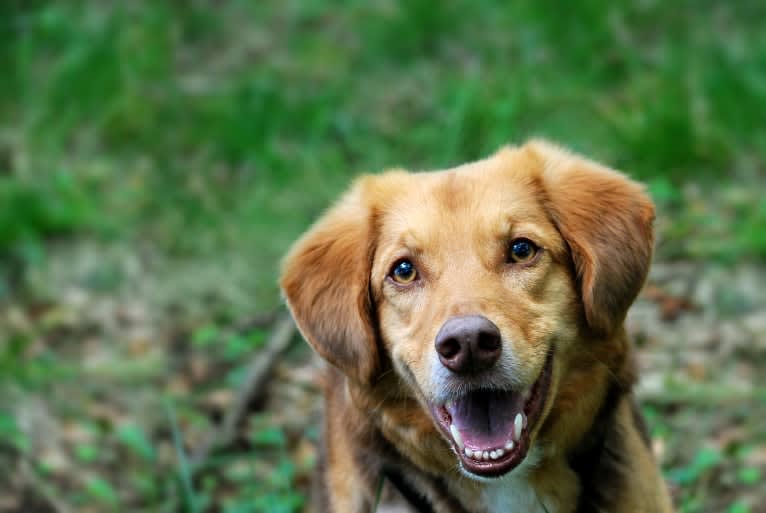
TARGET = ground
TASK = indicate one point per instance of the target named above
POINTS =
(157, 158)
(121, 390)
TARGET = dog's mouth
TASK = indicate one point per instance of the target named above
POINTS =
(490, 429)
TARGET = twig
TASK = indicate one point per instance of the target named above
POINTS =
(257, 372)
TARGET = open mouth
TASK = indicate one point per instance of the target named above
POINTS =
(489, 429)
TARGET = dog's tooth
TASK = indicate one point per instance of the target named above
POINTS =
(456, 435)
(499, 453)
(493, 455)
(524, 418)
(509, 445)
(468, 452)
(518, 424)
(485, 455)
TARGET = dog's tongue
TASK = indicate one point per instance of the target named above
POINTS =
(485, 418)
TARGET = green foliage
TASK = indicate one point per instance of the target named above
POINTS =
(134, 438)
(274, 491)
(750, 233)
(749, 475)
(739, 507)
(703, 461)
(34, 210)
(10, 434)
(34, 370)
(101, 491)
(86, 453)
(206, 335)
(204, 140)
(268, 437)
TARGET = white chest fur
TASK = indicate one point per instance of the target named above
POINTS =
(514, 494)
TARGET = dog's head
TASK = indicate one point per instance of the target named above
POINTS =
(478, 285)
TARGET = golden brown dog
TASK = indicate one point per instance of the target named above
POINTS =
(474, 320)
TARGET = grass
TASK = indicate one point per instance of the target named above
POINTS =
(201, 127)
(213, 133)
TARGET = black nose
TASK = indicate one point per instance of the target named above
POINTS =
(468, 344)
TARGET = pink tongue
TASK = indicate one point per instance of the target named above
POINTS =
(485, 418)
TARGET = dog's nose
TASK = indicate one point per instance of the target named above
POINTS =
(468, 344)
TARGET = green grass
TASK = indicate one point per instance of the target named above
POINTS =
(215, 132)
(203, 127)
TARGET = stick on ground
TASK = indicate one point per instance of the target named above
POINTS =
(257, 372)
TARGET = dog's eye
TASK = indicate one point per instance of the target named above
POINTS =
(404, 272)
(521, 251)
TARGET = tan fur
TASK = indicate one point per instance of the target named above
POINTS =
(594, 228)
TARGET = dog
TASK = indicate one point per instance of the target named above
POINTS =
(473, 318)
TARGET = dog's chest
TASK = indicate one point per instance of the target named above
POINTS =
(515, 495)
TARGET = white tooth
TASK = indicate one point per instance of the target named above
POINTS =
(485, 455)
(509, 445)
(500, 453)
(524, 418)
(493, 455)
(456, 435)
(518, 424)
(468, 452)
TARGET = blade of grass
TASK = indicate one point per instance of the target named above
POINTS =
(184, 470)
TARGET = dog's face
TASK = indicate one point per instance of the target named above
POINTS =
(473, 290)
(478, 285)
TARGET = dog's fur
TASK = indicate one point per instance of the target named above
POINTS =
(589, 451)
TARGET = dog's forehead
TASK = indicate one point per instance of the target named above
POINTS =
(482, 200)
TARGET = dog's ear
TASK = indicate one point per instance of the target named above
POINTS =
(606, 219)
(325, 280)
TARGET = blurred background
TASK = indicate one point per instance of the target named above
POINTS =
(158, 157)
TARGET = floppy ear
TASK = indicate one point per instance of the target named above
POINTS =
(325, 279)
(606, 220)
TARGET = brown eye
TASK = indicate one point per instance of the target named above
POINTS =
(404, 272)
(521, 251)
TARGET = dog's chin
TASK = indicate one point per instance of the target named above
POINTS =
(490, 429)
